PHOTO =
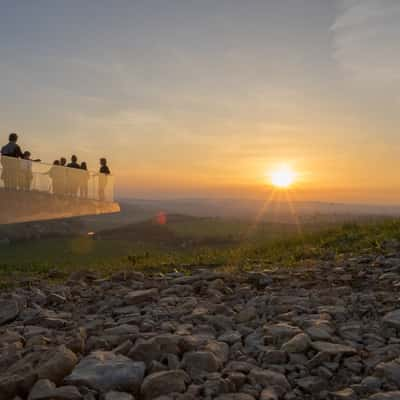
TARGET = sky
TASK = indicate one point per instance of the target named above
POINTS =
(200, 98)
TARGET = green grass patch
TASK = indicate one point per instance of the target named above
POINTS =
(39, 259)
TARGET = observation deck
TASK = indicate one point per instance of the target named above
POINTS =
(33, 191)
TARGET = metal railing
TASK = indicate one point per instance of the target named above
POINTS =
(24, 175)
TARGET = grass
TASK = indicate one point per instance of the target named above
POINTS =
(39, 259)
(230, 229)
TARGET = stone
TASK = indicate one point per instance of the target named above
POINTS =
(274, 357)
(269, 379)
(235, 396)
(141, 296)
(200, 361)
(392, 319)
(389, 370)
(163, 383)
(167, 343)
(230, 337)
(371, 384)
(318, 333)
(124, 348)
(43, 389)
(56, 298)
(312, 384)
(105, 371)
(298, 344)
(344, 394)
(66, 393)
(77, 342)
(247, 315)
(269, 394)
(219, 349)
(394, 395)
(9, 311)
(46, 390)
(281, 332)
(146, 351)
(15, 382)
(122, 330)
(114, 395)
(60, 363)
(239, 366)
(333, 348)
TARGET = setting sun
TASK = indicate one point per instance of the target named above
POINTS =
(283, 177)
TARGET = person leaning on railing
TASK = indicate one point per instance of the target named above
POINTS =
(84, 176)
(25, 175)
(57, 176)
(10, 165)
(73, 177)
(103, 177)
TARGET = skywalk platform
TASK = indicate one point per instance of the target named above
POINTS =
(31, 191)
(18, 207)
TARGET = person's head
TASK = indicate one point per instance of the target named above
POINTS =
(13, 137)
(26, 155)
(56, 162)
(63, 161)
(74, 158)
(103, 161)
(83, 165)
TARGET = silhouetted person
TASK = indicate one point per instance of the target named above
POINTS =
(25, 175)
(84, 181)
(63, 177)
(103, 177)
(11, 152)
(73, 177)
(74, 162)
(57, 176)
(12, 149)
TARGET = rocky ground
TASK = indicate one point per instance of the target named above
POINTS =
(330, 331)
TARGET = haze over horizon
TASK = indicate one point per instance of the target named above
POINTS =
(190, 98)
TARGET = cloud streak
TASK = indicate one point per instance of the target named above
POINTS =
(366, 40)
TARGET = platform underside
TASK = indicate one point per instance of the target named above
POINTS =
(18, 206)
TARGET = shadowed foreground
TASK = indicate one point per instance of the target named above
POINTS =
(325, 331)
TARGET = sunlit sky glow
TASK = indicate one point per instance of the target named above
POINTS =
(201, 98)
(282, 176)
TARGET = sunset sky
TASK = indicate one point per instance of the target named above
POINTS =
(205, 97)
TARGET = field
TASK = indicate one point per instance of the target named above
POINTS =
(185, 242)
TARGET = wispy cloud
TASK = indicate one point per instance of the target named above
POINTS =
(366, 39)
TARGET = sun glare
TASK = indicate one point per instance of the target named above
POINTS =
(283, 177)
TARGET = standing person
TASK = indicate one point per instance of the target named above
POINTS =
(63, 177)
(72, 178)
(12, 149)
(56, 174)
(25, 175)
(10, 163)
(84, 181)
(103, 177)
(74, 162)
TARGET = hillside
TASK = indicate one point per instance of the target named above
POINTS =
(269, 210)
